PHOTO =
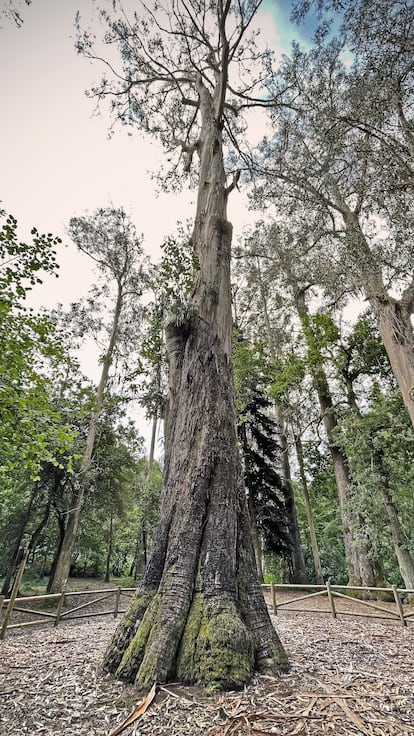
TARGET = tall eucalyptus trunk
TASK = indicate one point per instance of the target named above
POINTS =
(394, 315)
(61, 572)
(361, 569)
(199, 614)
(399, 540)
(309, 512)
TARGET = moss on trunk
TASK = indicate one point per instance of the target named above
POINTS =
(126, 631)
(216, 649)
(207, 622)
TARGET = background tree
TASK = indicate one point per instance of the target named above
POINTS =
(199, 614)
(340, 122)
(255, 311)
(266, 499)
(111, 241)
(33, 351)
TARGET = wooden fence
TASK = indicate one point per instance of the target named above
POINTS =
(15, 604)
(352, 597)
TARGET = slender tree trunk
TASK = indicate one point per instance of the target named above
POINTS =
(133, 570)
(41, 525)
(361, 569)
(109, 549)
(61, 526)
(393, 315)
(396, 330)
(255, 534)
(404, 559)
(251, 505)
(199, 614)
(297, 567)
(62, 570)
(149, 478)
(18, 537)
(309, 513)
(399, 540)
(144, 543)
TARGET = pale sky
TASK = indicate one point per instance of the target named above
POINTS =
(56, 159)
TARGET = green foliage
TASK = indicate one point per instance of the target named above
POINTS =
(175, 274)
(380, 448)
(364, 352)
(324, 500)
(252, 369)
(22, 264)
(289, 374)
(171, 282)
(30, 348)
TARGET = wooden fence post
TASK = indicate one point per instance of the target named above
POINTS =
(60, 605)
(399, 606)
(273, 591)
(13, 595)
(331, 599)
(117, 597)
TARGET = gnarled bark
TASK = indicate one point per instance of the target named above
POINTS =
(199, 614)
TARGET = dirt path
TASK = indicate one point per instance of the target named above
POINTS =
(347, 677)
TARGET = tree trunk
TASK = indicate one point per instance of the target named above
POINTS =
(393, 315)
(34, 539)
(399, 541)
(396, 330)
(62, 570)
(309, 513)
(109, 550)
(255, 534)
(361, 569)
(251, 505)
(199, 614)
(61, 525)
(18, 537)
(149, 478)
(297, 567)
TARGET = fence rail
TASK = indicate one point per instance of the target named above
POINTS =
(347, 594)
(14, 604)
(350, 596)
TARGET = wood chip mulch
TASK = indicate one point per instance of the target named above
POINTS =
(347, 677)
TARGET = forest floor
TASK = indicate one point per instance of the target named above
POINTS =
(348, 676)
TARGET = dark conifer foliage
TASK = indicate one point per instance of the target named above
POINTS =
(261, 456)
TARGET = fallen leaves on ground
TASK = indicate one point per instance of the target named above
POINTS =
(347, 677)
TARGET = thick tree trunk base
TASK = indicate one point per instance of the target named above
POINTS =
(200, 615)
(216, 650)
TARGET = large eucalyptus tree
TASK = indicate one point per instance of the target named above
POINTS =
(188, 70)
(344, 149)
